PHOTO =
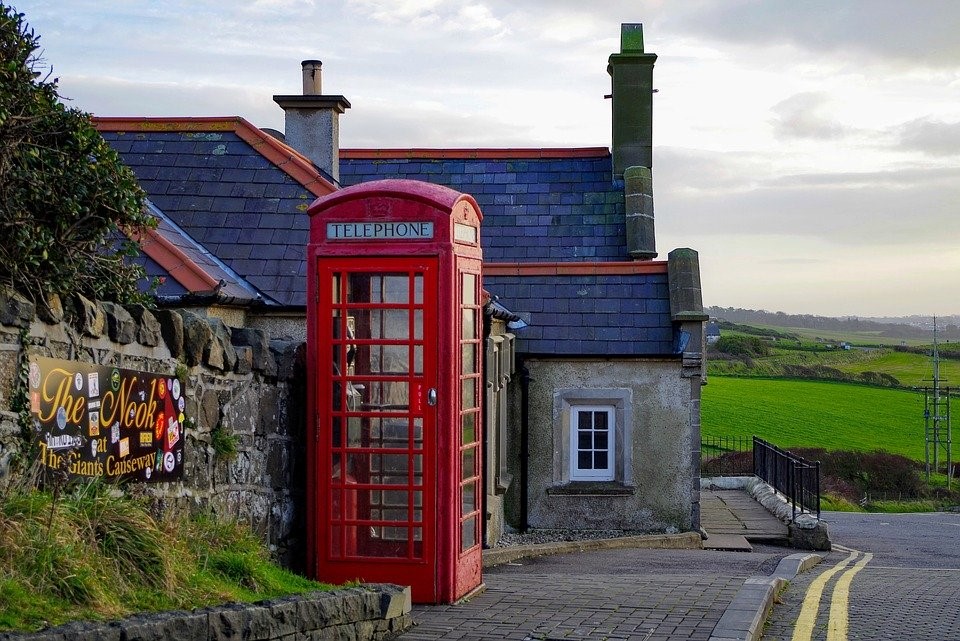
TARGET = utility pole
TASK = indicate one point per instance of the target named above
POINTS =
(936, 415)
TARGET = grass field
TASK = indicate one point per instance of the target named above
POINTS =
(912, 370)
(797, 413)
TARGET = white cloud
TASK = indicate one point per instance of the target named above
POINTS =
(806, 115)
(931, 136)
(802, 148)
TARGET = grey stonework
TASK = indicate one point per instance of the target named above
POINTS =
(121, 328)
(370, 612)
(237, 379)
(654, 491)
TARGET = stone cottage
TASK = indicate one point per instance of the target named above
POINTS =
(594, 348)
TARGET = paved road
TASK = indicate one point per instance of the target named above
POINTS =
(899, 577)
(649, 595)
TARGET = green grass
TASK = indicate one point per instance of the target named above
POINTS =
(834, 503)
(798, 413)
(911, 370)
(904, 507)
(93, 554)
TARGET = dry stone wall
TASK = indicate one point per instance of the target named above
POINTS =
(240, 386)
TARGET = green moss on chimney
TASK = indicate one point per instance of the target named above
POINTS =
(631, 38)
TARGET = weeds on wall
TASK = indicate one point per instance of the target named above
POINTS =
(224, 444)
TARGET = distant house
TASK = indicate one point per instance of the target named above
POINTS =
(712, 332)
(593, 406)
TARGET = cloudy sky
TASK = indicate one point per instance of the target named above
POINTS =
(810, 151)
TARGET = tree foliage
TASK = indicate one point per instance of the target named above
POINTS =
(65, 196)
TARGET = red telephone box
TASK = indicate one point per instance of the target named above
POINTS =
(394, 345)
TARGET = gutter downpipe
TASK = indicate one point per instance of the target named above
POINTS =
(524, 440)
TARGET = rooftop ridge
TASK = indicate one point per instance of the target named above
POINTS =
(479, 153)
(185, 271)
(575, 269)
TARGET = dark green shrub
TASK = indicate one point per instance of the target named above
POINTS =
(743, 346)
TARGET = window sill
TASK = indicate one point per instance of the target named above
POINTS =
(592, 488)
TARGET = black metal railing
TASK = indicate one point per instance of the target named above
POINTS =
(796, 478)
(726, 456)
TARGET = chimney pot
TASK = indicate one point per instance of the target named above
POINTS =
(311, 77)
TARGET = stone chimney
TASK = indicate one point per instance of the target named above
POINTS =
(631, 73)
(312, 121)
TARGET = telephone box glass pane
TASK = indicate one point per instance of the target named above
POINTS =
(468, 393)
(469, 499)
(418, 433)
(468, 535)
(418, 289)
(468, 463)
(469, 289)
(389, 359)
(418, 324)
(418, 360)
(386, 396)
(335, 288)
(469, 324)
(468, 353)
(468, 429)
(378, 288)
(336, 432)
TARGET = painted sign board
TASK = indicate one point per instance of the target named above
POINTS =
(348, 230)
(109, 422)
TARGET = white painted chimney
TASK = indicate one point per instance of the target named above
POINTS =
(312, 121)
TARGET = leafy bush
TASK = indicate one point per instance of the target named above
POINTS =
(65, 196)
(743, 346)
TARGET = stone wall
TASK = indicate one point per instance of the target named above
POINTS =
(237, 381)
(652, 491)
(369, 612)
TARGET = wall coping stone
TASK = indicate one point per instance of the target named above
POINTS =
(366, 612)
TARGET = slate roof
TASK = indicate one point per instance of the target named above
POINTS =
(600, 313)
(538, 204)
(232, 205)
(168, 251)
(545, 208)
(236, 191)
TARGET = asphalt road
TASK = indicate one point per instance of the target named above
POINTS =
(897, 577)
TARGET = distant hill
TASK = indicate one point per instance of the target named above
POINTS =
(909, 327)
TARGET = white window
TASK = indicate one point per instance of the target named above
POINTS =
(592, 433)
(592, 443)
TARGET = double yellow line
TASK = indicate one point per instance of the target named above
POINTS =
(838, 624)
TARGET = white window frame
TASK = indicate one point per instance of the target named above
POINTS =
(593, 474)
(618, 398)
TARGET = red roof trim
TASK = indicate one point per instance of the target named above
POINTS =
(171, 258)
(478, 154)
(285, 158)
(575, 269)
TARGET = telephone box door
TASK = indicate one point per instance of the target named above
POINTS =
(377, 443)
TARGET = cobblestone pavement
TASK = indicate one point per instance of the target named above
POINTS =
(651, 595)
